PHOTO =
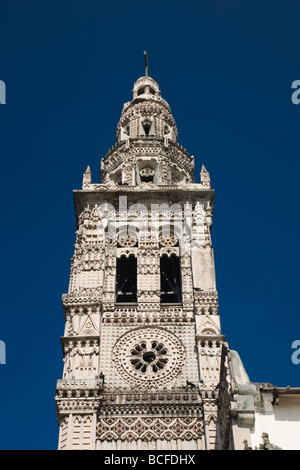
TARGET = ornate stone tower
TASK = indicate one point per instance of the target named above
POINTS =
(145, 363)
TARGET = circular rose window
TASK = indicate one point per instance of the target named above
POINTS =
(148, 356)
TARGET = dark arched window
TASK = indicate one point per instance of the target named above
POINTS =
(170, 279)
(126, 279)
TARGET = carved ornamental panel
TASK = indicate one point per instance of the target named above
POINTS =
(148, 356)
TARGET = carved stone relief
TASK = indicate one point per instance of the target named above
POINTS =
(151, 356)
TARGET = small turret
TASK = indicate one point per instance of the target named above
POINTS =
(87, 178)
(204, 178)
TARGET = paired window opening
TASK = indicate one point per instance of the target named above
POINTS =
(170, 279)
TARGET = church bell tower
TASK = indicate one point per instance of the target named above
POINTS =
(145, 366)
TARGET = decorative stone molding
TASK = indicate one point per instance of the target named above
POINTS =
(168, 241)
(76, 394)
(148, 313)
(127, 241)
(82, 296)
(149, 428)
(145, 396)
(206, 302)
(80, 357)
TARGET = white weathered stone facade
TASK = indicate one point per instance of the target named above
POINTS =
(145, 363)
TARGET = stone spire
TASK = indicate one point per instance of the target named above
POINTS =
(87, 178)
(204, 177)
(147, 148)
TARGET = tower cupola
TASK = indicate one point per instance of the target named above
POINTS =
(147, 149)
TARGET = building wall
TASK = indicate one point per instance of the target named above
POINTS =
(280, 421)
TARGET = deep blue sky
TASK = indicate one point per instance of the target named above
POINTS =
(226, 69)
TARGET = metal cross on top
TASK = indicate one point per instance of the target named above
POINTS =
(146, 63)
